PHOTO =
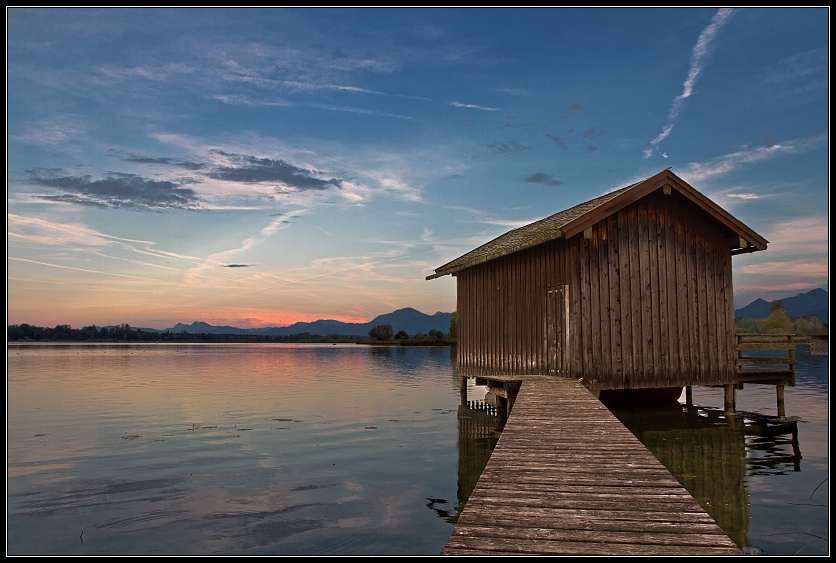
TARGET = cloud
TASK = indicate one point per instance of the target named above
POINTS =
(163, 161)
(454, 177)
(699, 55)
(805, 268)
(128, 191)
(502, 147)
(744, 196)
(592, 132)
(590, 148)
(572, 111)
(697, 171)
(540, 178)
(45, 232)
(471, 106)
(557, 141)
(251, 169)
(98, 272)
(799, 67)
(237, 266)
(514, 91)
(807, 235)
(221, 258)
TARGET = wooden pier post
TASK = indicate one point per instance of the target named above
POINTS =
(728, 399)
(779, 395)
(502, 409)
(689, 396)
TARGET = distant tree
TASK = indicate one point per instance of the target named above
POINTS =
(803, 325)
(778, 320)
(454, 325)
(748, 324)
(381, 332)
(401, 335)
(435, 334)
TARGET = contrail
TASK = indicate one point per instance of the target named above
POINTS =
(698, 61)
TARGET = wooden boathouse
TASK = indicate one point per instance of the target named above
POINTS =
(629, 290)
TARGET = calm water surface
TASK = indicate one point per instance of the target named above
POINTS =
(313, 449)
(230, 449)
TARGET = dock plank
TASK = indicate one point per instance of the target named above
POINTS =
(567, 478)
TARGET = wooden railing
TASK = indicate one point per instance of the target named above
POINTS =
(772, 370)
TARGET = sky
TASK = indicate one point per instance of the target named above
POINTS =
(263, 167)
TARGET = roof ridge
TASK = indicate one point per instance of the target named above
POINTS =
(574, 219)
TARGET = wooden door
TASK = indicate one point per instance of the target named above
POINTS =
(557, 331)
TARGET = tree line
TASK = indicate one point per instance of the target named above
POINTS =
(385, 333)
(126, 333)
(779, 322)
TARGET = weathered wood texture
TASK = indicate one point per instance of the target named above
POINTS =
(566, 477)
(646, 300)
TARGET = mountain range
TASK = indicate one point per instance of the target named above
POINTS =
(813, 302)
(413, 322)
(408, 319)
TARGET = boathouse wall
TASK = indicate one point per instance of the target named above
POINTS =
(641, 299)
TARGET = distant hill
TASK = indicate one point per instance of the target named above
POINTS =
(813, 302)
(409, 320)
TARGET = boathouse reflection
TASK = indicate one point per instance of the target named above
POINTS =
(479, 430)
(711, 453)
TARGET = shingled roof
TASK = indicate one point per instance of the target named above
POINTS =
(571, 221)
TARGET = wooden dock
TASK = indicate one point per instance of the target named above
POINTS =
(567, 478)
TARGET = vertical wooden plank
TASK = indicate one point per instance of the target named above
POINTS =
(648, 366)
(484, 288)
(544, 287)
(586, 325)
(563, 303)
(682, 310)
(528, 278)
(465, 318)
(481, 312)
(722, 327)
(542, 356)
(509, 333)
(626, 301)
(635, 298)
(726, 335)
(462, 295)
(711, 304)
(605, 352)
(693, 299)
(669, 243)
(536, 264)
(594, 304)
(728, 297)
(702, 295)
(657, 264)
(616, 378)
(495, 313)
(551, 332)
(570, 266)
(530, 269)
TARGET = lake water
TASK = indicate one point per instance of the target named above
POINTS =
(347, 449)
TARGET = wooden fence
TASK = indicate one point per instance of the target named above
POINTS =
(771, 369)
(776, 368)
